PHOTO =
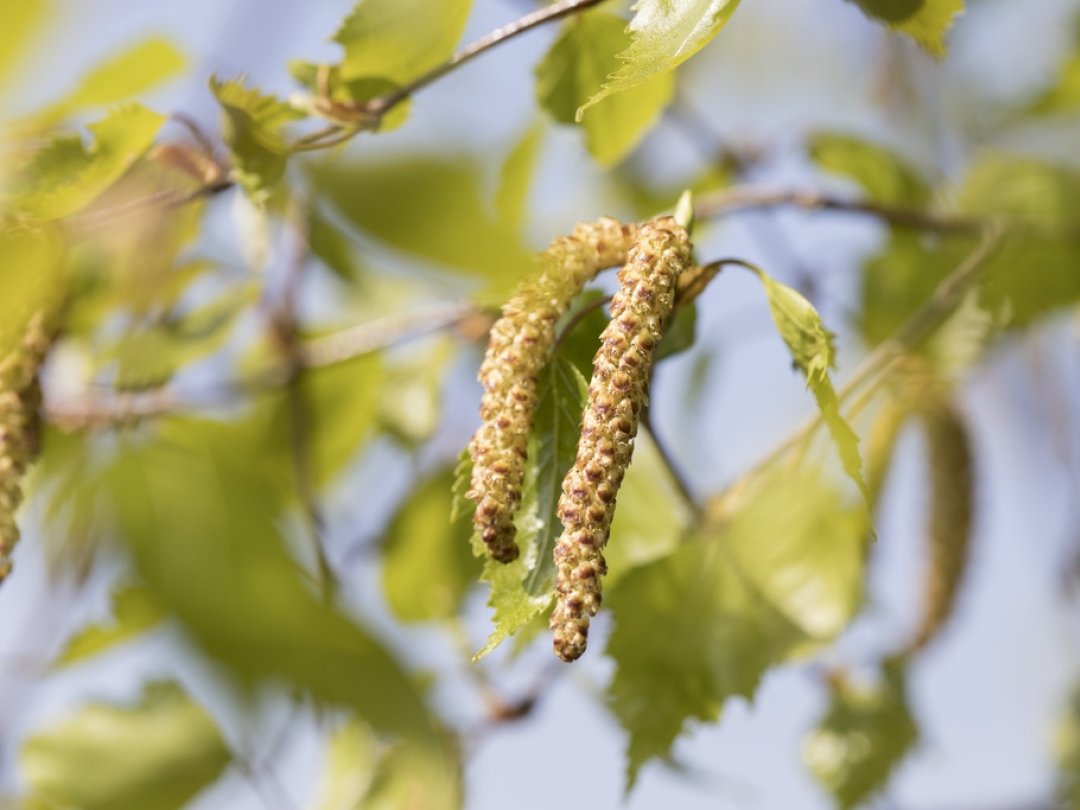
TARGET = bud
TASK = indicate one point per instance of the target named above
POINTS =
(20, 397)
(617, 393)
(518, 348)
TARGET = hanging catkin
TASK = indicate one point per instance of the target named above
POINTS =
(617, 393)
(949, 522)
(519, 345)
(20, 396)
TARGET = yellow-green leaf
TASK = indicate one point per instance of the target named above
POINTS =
(663, 35)
(574, 70)
(400, 39)
(925, 21)
(66, 174)
(128, 74)
(134, 611)
(19, 22)
(254, 131)
(516, 178)
(155, 755)
(885, 176)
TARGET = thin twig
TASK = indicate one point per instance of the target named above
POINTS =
(750, 198)
(682, 485)
(875, 366)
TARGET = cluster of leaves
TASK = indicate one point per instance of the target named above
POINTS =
(211, 514)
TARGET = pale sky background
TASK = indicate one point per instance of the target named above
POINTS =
(988, 696)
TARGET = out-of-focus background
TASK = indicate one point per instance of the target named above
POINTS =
(989, 696)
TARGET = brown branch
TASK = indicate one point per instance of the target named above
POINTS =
(748, 198)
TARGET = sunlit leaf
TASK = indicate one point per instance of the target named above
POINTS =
(1062, 97)
(254, 124)
(67, 174)
(811, 347)
(925, 21)
(428, 565)
(885, 176)
(134, 611)
(704, 623)
(516, 179)
(410, 401)
(863, 737)
(31, 268)
(19, 22)
(663, 35)
(361, 773)
(575, 68)
(431, 208)
(400, 39)
(128, 74)
(200, 506)
(155, 755)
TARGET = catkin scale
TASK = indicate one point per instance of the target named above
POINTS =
(949, 522)
(518, 346)
(20, 397)
(617, 393)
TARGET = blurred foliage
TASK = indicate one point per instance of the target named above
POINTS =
(208, 419)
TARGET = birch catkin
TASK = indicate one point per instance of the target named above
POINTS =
(949, 524)
(519, 345)
(617, 393)
(19, 425)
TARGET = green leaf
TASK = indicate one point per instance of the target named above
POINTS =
(400, 39)
(925, 21)
(1067, 790)
(156, 755)
(865, 734)
(680, 333)
(428, 565)
(885, 176)
(134, 71)
(663, 35)
(254, 125)
(811, 347)
(19, 24)
(704, 623)
(31, 263)
(1047, 199)
(410, 398)
(575, 68)
(431, 208)
(1062, 97)
(364, 774)
(134, 611)
(516, 179)
(200, 505)
(66, 175)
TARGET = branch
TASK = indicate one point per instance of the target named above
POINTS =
(748, 198)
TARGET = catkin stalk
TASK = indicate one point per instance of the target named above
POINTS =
(518, 348)
(617, 393)
(20, 397)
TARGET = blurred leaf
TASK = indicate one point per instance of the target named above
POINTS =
(885, 176)
(66, 175)
(134, 611)
(811, 347)
(428, 566)
(863, 737)
(19, 24)
(156, 755)
(363, 774)
(334, 249)
(664, 34)
(1062, 97)
(575, 68)
(327, 81)
(254, 130)
(651, 516)
(925, 21)
(130, 73)
(31, 275)
(432, 208)
(400, 39)
(411, 397)
(704, 623)
(680, 333)
(516, 179)
(201, 506)
(1047, 198)
(1067, 790)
